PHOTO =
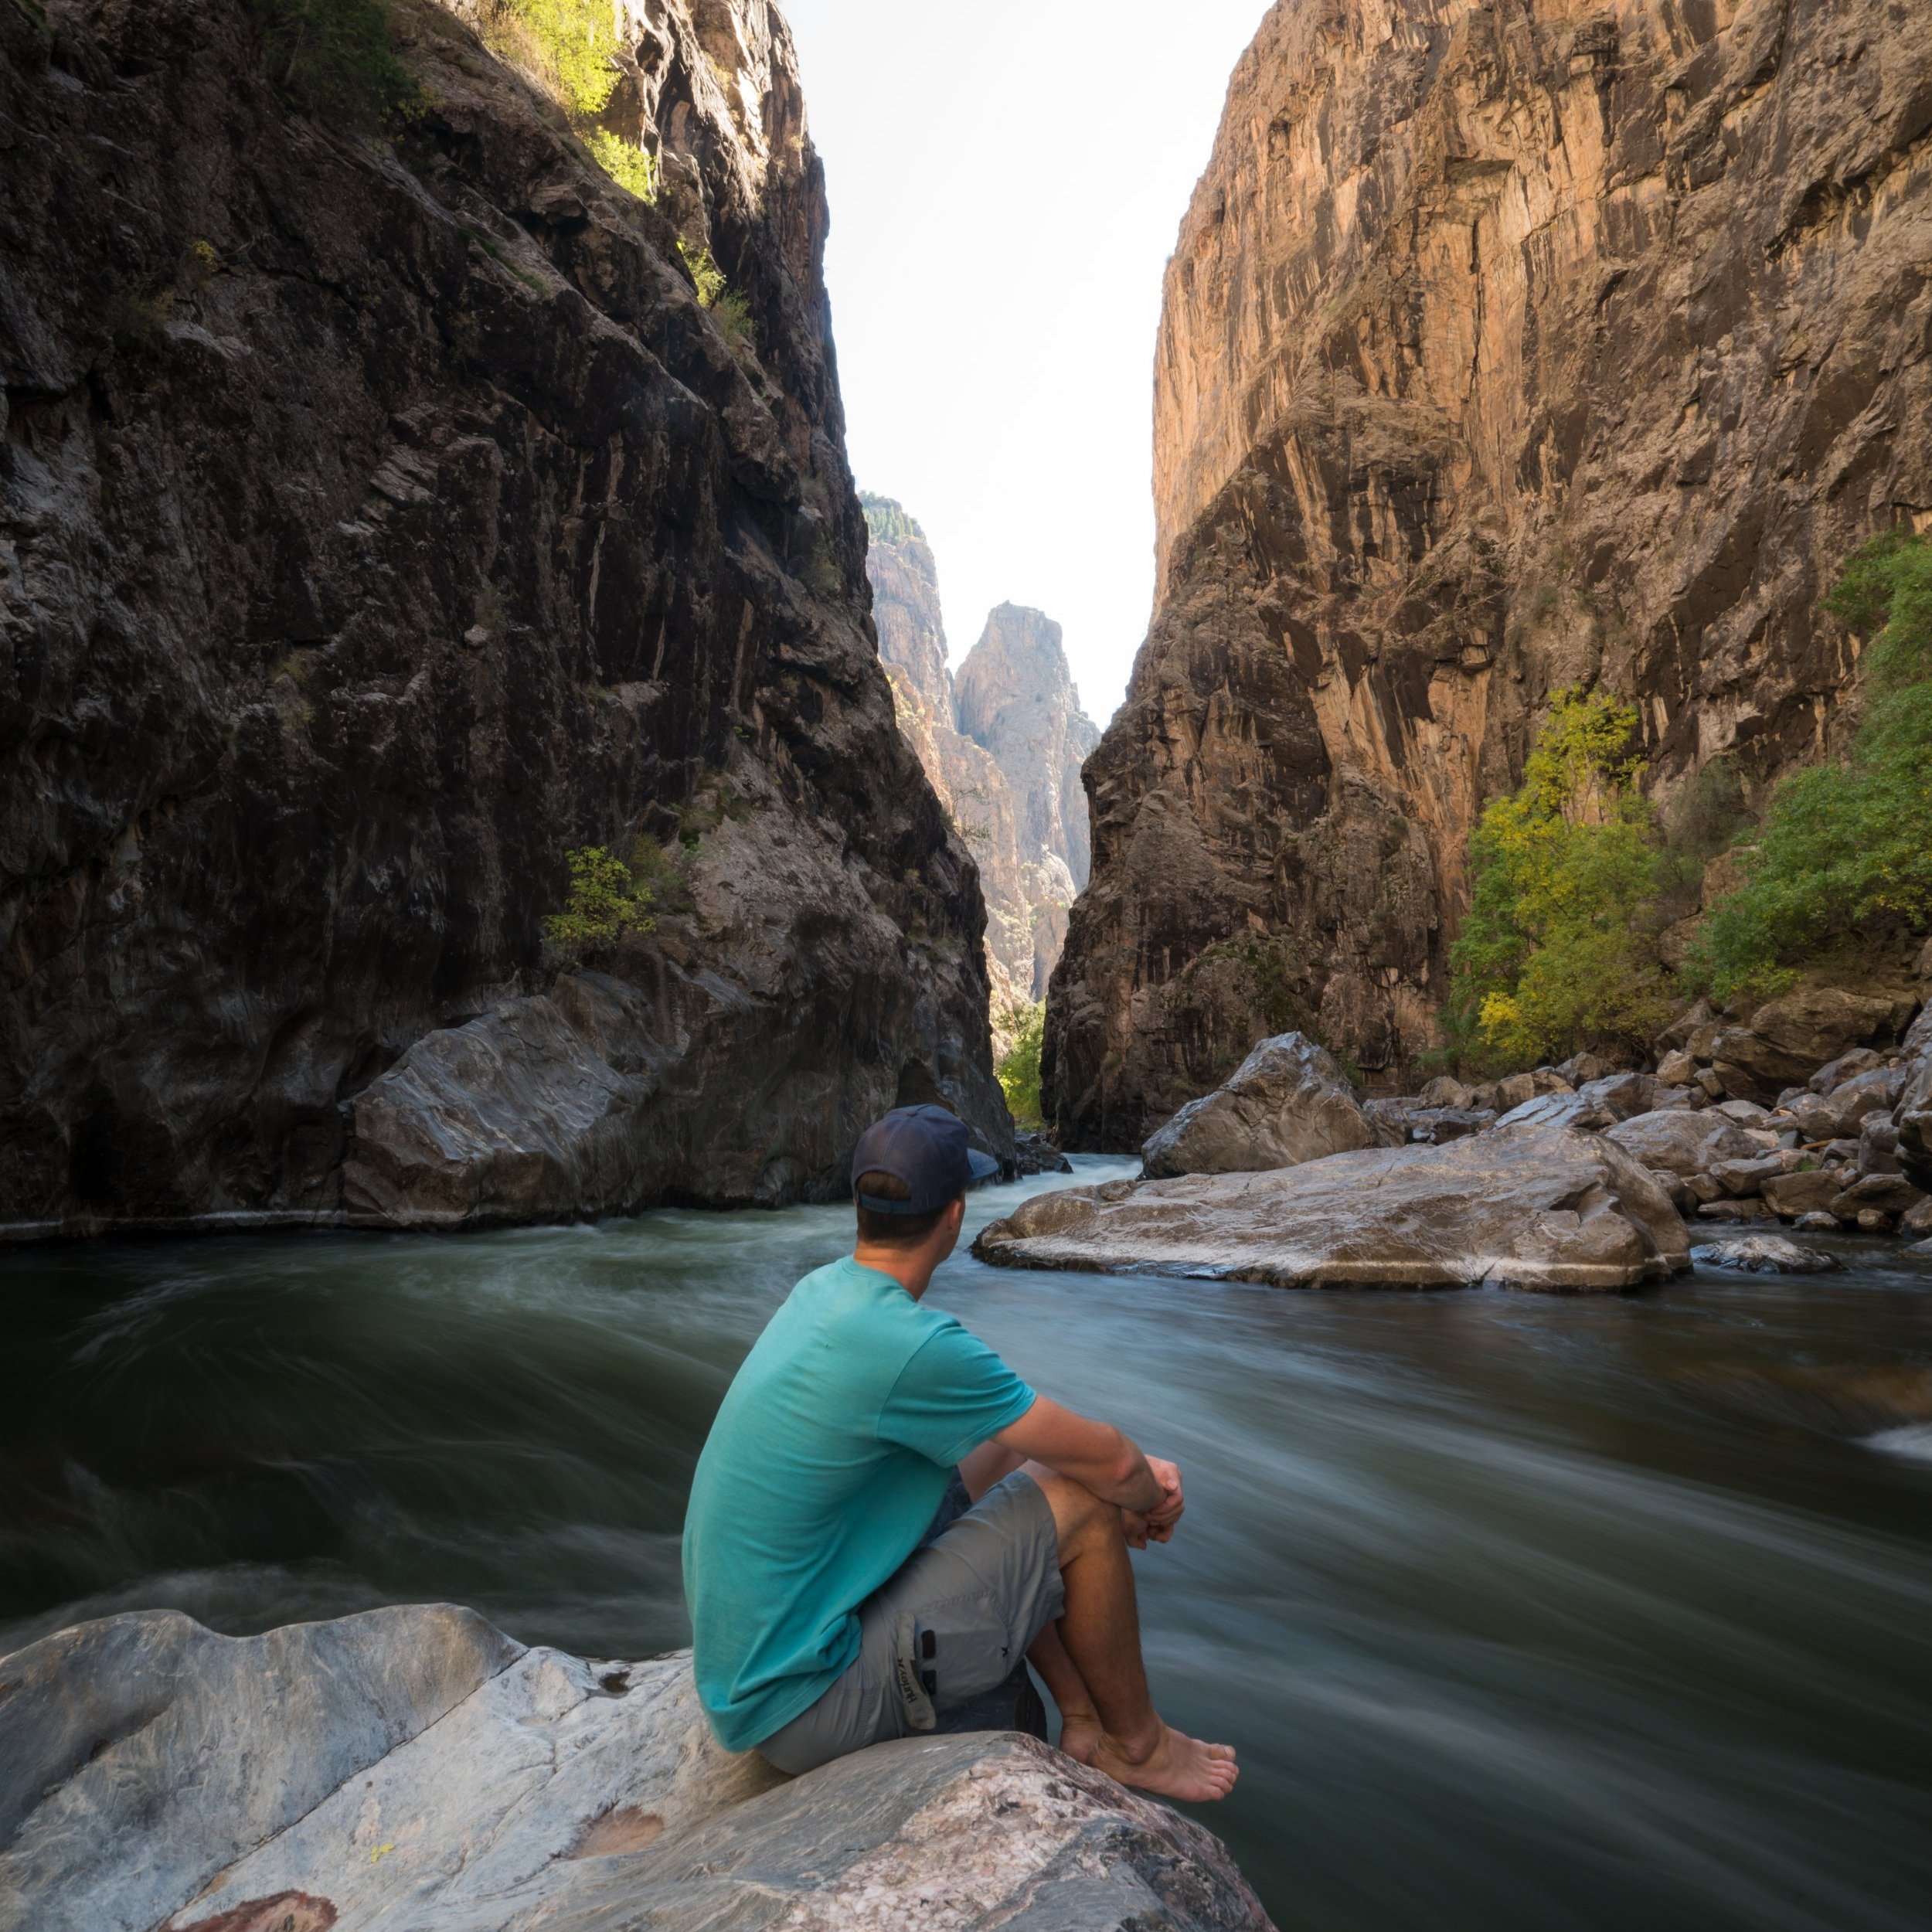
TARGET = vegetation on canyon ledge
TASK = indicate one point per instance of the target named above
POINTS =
(1556, 952)
(1019, 1068)
(1845, 847)
(1573, 874)
(610, 899)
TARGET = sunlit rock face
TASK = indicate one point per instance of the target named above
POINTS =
(1504, 347)
(381, 519)
(1002, 745)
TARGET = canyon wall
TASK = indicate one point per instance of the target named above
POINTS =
(382, 517)
(1504, 348)
(1002, 745)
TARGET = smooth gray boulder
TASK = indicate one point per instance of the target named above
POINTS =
(1766, 1254)
(414, 1770)
(1685, 1142)
(1913, 1116)
(1288, 1103)
(1529, 1207)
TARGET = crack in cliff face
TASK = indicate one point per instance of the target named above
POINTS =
(380, 519)
(1503, 348)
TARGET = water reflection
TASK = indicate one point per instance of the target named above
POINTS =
(1525, 1613)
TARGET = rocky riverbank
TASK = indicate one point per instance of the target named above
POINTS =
(414, 1769)
(1575, 1178)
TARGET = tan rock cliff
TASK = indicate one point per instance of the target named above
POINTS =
(1503, 346)
(1002, 746)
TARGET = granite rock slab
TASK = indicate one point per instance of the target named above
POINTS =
(1528, 1207)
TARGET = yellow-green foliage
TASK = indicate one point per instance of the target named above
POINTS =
(1846, 850)
(709, 277)
(337, 56)
(608, 898)
(1019, 1068)
(1557, 954)
(575, 42)
(630, 168)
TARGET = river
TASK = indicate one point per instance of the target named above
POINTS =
(1525, 1614)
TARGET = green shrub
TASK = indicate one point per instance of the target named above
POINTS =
(1558, 954)
(734, 320)
(608, 898)
(336, 55)
(709, 277)
(1019, 1068)
(1845, 845)
(632, 168)
(574, 44)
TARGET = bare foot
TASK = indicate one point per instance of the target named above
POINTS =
(1081, 1736)
(1177, 1766)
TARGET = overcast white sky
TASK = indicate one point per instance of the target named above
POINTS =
(1007, 179)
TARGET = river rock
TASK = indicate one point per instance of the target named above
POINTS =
(1888, 1194)
(1561, 1110)
(1766, 1254)
(1531, 1207)
(1288, 1102)
(1793, 1196)
(1913, 1115)
(1878, 1146)
(1847, 1066)
(1787, 1039)
(415, 1769)
(1732, 1209)
(1686, 1142)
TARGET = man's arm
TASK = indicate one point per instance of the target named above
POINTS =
(1099, 1457)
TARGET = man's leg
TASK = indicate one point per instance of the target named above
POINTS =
(1096, 1662)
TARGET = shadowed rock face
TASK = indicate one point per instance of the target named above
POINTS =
(414, 1768)
(1002, 745)
(380, 521)
(1504, 347)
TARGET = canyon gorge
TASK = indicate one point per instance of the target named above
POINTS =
(382, 519)
(1003, 744)
(1505, 349)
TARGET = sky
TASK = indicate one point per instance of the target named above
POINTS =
(1007, 179)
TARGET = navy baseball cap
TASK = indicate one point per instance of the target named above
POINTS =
(927, 1148)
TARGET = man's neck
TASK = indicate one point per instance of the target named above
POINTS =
(913, 1271)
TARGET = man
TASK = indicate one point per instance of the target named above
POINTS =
(837, 1597)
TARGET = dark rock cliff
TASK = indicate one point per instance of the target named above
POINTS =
(379, 519)
(1504, 347)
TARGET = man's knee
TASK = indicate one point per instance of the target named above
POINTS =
(1079, 1515)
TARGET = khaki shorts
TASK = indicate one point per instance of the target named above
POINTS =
(953, 1624)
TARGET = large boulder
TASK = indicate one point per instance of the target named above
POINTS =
(415, 1769)
(1787, 1039)
(1529, 1207)
(1766, 1254)
(1683, 1141)
(1288, 1103)
(1913, 1116)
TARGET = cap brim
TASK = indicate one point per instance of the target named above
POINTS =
(984, 1166)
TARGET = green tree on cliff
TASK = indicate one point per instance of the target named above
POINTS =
(1845, 848)
(1557, 954)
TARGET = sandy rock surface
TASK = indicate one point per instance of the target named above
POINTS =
(414, 1770)
(1531, 1207)
(1288, 1102)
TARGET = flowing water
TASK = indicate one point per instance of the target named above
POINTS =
(1523, 1612)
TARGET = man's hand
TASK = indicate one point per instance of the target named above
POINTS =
(1096, 1456)
(1161, 1518)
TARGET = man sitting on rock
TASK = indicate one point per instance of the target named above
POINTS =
(886, 1520)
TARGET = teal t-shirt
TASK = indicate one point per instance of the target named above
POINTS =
(825, 1467)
